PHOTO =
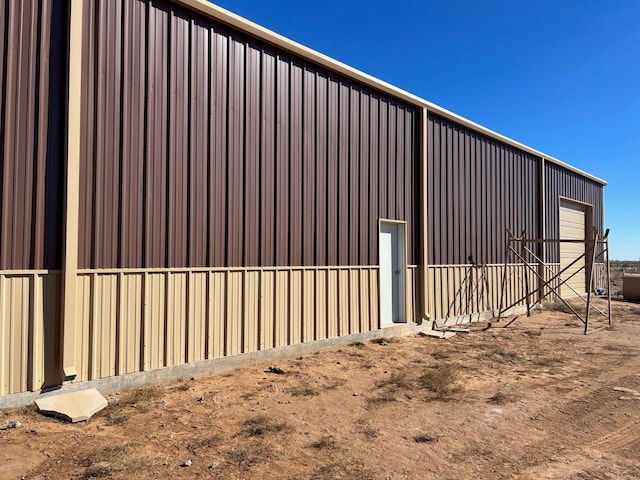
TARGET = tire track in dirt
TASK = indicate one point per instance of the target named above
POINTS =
(625, 436)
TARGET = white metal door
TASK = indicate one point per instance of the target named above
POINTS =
(392, 273)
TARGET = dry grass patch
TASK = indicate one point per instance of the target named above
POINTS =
(140, 398)
(380, 400)
(548, 361)
(497, 352)
(335, 383)
(206, 443)
(557, 305)
(326, 442)
(370, 432)
(247, 456)
(396, 381)
(262, 424)
(440, 355)
(343, 469)
(385, 340)
(104, 461)
(502, 398)
(302, 391)
(534, 333)
(440, 381)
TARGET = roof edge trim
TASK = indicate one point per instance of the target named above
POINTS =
(247, 26)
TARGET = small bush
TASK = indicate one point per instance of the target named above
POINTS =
(119, 411)
(396, 381)
(550, 361)
(247, 457)
(343, 469)
(380, 400)
(502, 398)
(326, 442)
(440, 355)
(103, 462)
(385, 340)
(208, 442)
(371, 432)
(141, 395)
(261, 424)
(440, 381)
(99, 470)
(557, 305)
(302, 391)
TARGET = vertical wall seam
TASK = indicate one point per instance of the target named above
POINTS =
(71, 202)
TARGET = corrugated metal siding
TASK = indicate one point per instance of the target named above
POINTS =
(561, 182)
(32, 119)
(138, 320)
(203, 147)
(29, 331)
(464, 290)
(476, 189)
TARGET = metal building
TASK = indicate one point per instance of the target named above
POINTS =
(179, 185)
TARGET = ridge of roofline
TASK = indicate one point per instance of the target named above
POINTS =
(236, 21)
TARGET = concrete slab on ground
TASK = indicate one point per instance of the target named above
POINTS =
(74, 406)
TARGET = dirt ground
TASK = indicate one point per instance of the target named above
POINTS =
(536, 399)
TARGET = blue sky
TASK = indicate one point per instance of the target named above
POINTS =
(562, 76)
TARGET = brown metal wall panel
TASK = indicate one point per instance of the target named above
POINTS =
(397, 189)
(309, 195)
(108, 130)
(235, 172)
(353, 182)
(321, 190)
(477, 188)
(392, 163)
(199, 144)
(295, 165)
(32, 114)
(267, 165)
(364, 257)
(561, 182)
(282, 162)
(343, 174)
(179, 56)
(407, 191)
(218, 138)
(133, 135)
(155, 208)
(87, 176)
(251, 157)
(383, 159)
(374, 169)
(332, 174)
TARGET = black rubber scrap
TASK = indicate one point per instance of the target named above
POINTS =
(276, 370)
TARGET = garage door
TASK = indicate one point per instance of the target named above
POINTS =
(572, 227)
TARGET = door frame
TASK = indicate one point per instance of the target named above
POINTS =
(402, 287)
